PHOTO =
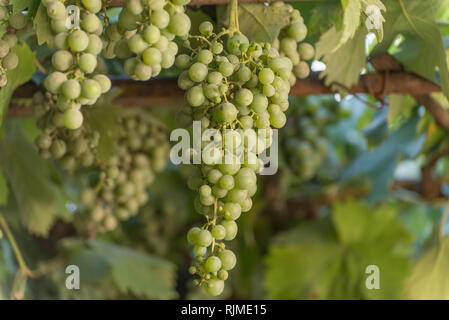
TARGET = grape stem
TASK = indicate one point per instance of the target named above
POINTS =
(234, 18)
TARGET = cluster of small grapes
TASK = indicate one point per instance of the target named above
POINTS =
(289, 43)
(305, 140)
(144, 36)
(119, 189)
(75, 59)
(71, 147)
(239, 91)
(12, 28)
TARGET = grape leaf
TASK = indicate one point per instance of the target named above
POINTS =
(331, 267)
(42, 26)
(21, 5)
(325, 15)
(4, 190)
(351, 20)
(421, 50)
(17, 76)
(344, 65)
(429, 280)
(133, 271)
(257, 21)
(38, 199)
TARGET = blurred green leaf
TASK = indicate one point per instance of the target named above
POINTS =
(39, 200)
(138, 273)
(310, 261)
(17, 76)
(42, 26)
(429, 280)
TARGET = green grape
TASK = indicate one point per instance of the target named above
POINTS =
(142, 71)
(214, 287)
(151, 34)
(179, 24)
(90, 23)
(152, 57)
(54, 81)
(160, 18)
(198, 72)
(87, 62)
(228, 259)
(71, 89)
(11, 61)
(93, 6)
(90, 89)
(137, 44)
(213, 264)
(104, 81)
(78, 40)
(73, 119)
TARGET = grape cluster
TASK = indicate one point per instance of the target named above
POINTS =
(305, 140)
(238, 89)
(144, 36)
(75, 59)
(71, 147)
(12, 27)
(290, 43)
(118, 189)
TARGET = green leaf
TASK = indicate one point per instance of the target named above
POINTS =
(17, 76)
(309, 261)
(42, 26)
(21, 5)
(429, 280)
(4, 190)
(132, 271)
(400, 106)
(325, 15)
(39, 200)
(103, 118)
(257, 21)
(351, 20)
(421, 50)
(344, 65)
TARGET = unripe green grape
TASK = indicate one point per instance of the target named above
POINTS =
(62, 60)
(246, 121)
(212, 264)
(156, 70)
(278, 120)
(161, 44)
(195, 96)
(228, 259)
(216, 47)
(43, 141)
(73, 119)
(231, 211)
(134, 7)
(58, 26)
(54, 81)
(127, 20)
(95, 45)
(108, 50)
(130, 65)
(234, 42)
(104, 81)
(160, 18)
(289, 46)
(266, 76)
(206, 28)
(55, 11)
(87, 62)
(204, 238)
(301, 70)
(11, 61)
(90, 89)
(225, 112)
(218, 232)
(214, 175)
(205, 56)
(192, 235)
(92, 5)
(11, 39)
(152, 56)
(151, 34)
(226, 68)
(306, 51)
(205, 191)
(244, 74)
(211, 91)
(237, 195)
(214, 287)
(192, 270)
(78, 40)
(4, 48)
(179, 24)
(71, 89)
(243, 97)
(231, 229)
(137, 44)
(226, 182)
(142, 71)
(259, 103)
(58, 148)
(215, 77)
(222, 275)
(113, 33)
(297, 31)
(90, 23)
(198, 72)
(182, 61)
